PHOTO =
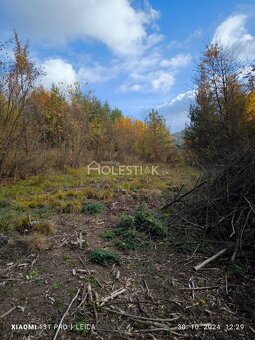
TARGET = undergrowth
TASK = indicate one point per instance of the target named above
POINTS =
(104, 257)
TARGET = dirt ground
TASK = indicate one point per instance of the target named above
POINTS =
(160, 294)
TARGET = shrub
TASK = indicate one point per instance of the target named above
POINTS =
(148, 222)
(92, 208)
(126, 221)
(131, 239)
(108, 235)
(104, 257)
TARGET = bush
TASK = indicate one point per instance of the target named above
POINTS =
(148, 222)
(131, 239)
(126, 221)
(92, 209)
(108, 235)
(104, 257)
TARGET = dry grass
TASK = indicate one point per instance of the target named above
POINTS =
(36, 241)
(43, 228)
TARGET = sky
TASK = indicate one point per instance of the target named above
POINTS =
(135, 54)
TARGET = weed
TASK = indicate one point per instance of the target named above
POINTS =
(131, 239)
(126, 221)
(104, 257)
(59, 303)
(44, 228)
(93, 280)
(148, 222)
(92, 208)
(161, 313)
(34, 274)
(67, 258)
(71, 207)
(81, 327)
(57, 285)
(23, 225)
(108, 235)
(36, 241)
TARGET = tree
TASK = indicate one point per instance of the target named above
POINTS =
(18, 79)
(218, 119)
(159, 140)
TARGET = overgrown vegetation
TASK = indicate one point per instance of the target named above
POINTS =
(135, 231)
(42, 130)
(222, 119)
(219, 210)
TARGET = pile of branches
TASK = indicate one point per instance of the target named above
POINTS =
(221, 206)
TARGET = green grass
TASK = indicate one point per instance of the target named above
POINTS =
(91, 208)
(44, 195)
(81, 326)
(104, 257)
(67, 258)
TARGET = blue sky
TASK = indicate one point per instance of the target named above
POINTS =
(135, 54)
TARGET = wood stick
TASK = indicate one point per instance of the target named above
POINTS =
(137, 317)
(84, 265)
(8, 312)
(65, 314)
(199, 288)
(113, 295)
(212, 258)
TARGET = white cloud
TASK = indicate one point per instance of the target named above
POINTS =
(180, 60)
(176, 110)
(232, 33)
(97, 73)
(163, 81)
(158, 81)
(115, 23)
(131, 88)
(136, 87)
(58, 71)
(153, 72)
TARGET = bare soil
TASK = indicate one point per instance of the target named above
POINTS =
(158, 281)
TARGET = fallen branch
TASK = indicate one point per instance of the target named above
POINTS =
(212, 258)
(199, 288)
(8, 312)
(65, 314)
(112, 296)
(137, 317)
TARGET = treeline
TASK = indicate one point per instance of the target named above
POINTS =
(219, 211)
(222, 119)
(64, 127)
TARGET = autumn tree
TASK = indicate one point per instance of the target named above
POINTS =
(18, 79)
(218, 118)
(158, 138)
